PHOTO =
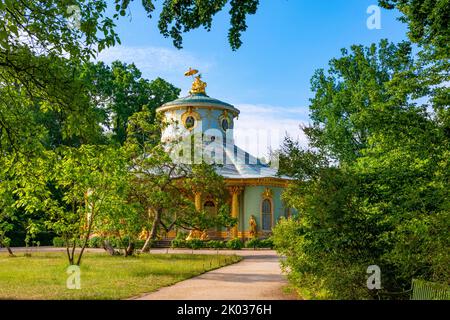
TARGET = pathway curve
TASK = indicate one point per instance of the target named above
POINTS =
(257, 277)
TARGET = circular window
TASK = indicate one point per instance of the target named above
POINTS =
(225, 124)
(190, 122)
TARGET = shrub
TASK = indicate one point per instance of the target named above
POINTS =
(267, 243)
(195, 244)
(17, 238)
(95, 242)
(178, 243)
(235, 244)
(114, 242)
(260, 243)
(216, 244)
(253, 243)
(58, 242)
(139, 243)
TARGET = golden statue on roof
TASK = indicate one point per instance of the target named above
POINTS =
(198, 86)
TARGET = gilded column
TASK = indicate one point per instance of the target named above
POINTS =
(235, 191)
(198, 200)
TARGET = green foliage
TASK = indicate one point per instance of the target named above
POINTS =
(178, 243)
(195, 244)
(253, 243)
(59, 242)
(267, 243)
(385, 198)
(299, 163)
(428, 21)
(95, 242)
(121, 91)
(182, 16)
(216, 244)
(259, 243)
(235, 244)
(81, 28)
(348, 97)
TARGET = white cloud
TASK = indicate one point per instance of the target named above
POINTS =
(153, 62)
(263, 127)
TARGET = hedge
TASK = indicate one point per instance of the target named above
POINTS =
(18, 238)
(97, 242)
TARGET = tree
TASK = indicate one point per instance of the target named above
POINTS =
(299, 163)
(385, 201)
(182, 16)
(428, 21)
(85, 181)
(120, 91)
(7, 214)
(80, 28)
(348, 97)
(43, 44)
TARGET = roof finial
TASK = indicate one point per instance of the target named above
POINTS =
(198, 86)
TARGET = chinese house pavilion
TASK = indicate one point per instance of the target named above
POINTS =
(255, 188)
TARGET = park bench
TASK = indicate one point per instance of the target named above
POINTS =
(425, 290)
(420, 290)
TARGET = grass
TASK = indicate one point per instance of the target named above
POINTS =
(43, 275)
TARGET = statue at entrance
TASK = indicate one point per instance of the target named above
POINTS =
(253, 231)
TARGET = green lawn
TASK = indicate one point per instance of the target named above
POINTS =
(43, 275)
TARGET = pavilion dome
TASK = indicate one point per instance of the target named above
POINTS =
(198, 100)
(214, 119)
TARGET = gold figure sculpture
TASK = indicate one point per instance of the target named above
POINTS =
(204, 235)
(253, 231)
(197, 234)
(198, 86)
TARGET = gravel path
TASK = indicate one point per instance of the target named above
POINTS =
(256, 277)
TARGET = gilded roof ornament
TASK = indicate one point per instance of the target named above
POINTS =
(198, 86)
(267, 194)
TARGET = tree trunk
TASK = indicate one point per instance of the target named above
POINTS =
(109, 248)
(130, 249)
(69, 254)
(153, 231)
(6, 246)
(9, 251)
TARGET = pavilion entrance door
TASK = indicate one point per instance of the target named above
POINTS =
(210, 207)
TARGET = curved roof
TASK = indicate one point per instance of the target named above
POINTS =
(239, 164)
(198, 100)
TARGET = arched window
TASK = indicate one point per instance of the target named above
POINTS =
(210, 207)
(190, 122)
(225, 124)
(266, 213)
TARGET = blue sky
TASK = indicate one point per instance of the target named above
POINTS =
(268, 78)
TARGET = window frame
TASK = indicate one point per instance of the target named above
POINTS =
(262, 214)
